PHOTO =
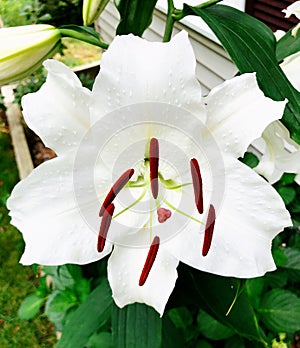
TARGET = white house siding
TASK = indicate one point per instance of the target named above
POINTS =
(213, 63)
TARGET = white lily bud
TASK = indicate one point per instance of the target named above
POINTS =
(92, 9)
(23, 49)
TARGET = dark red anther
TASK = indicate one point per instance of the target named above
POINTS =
(197, 184)
(149, 261)
(209, 229)
(104, 226)
(116, 188)
(153, 161)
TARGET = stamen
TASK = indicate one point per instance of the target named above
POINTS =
(149, 261)
(153, 161)
(163, 214)
(209, 229)
(104, 226)
(197, 184)
(116, 188)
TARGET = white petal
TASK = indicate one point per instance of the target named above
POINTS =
(276, 158)
(279, 34)
(124, 270)
(296, 28)
(134, 70)
(293, 9)
(123, 137)
(291, 67)
(58, 112)
(250, 216)
(238, 113)
(56, 227)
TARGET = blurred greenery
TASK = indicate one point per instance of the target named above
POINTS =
(10, 12)
(55, 12)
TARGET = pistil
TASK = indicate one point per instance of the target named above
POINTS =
(197, 184)
(154, 161)
(149, 261)
(209, 229)
(116, 188)
(104, 226)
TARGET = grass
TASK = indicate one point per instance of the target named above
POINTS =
(16, 281)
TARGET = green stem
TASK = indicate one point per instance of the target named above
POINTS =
(82, 33)
(170, 21)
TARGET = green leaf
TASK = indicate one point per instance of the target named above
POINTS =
(222, 298)
(171, 336)
(211, 328)
(100, 340)
(43, 290)
(295, 206)
(86, 34)
(287, 45)
(292, 265)
(279, 257)
(276, 279)
(82, 289)
(135, 326)
(136, 16)
(287, 193)
(250, 159)
(181, 317)
(203, 344)
(254, 288)
(293, 258)
(183, 320)
(254, 344)
(58, 303)
(30, 306)
(67, 276)
(235, 342)
(88, 318)
(287, 178)
(252, 47)
(280, 311)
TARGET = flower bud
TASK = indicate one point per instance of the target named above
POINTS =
(24, 48)
(92, 9)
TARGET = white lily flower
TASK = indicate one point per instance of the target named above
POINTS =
(293, 9)
(160, 161)
(24, 48)
(280, 154)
